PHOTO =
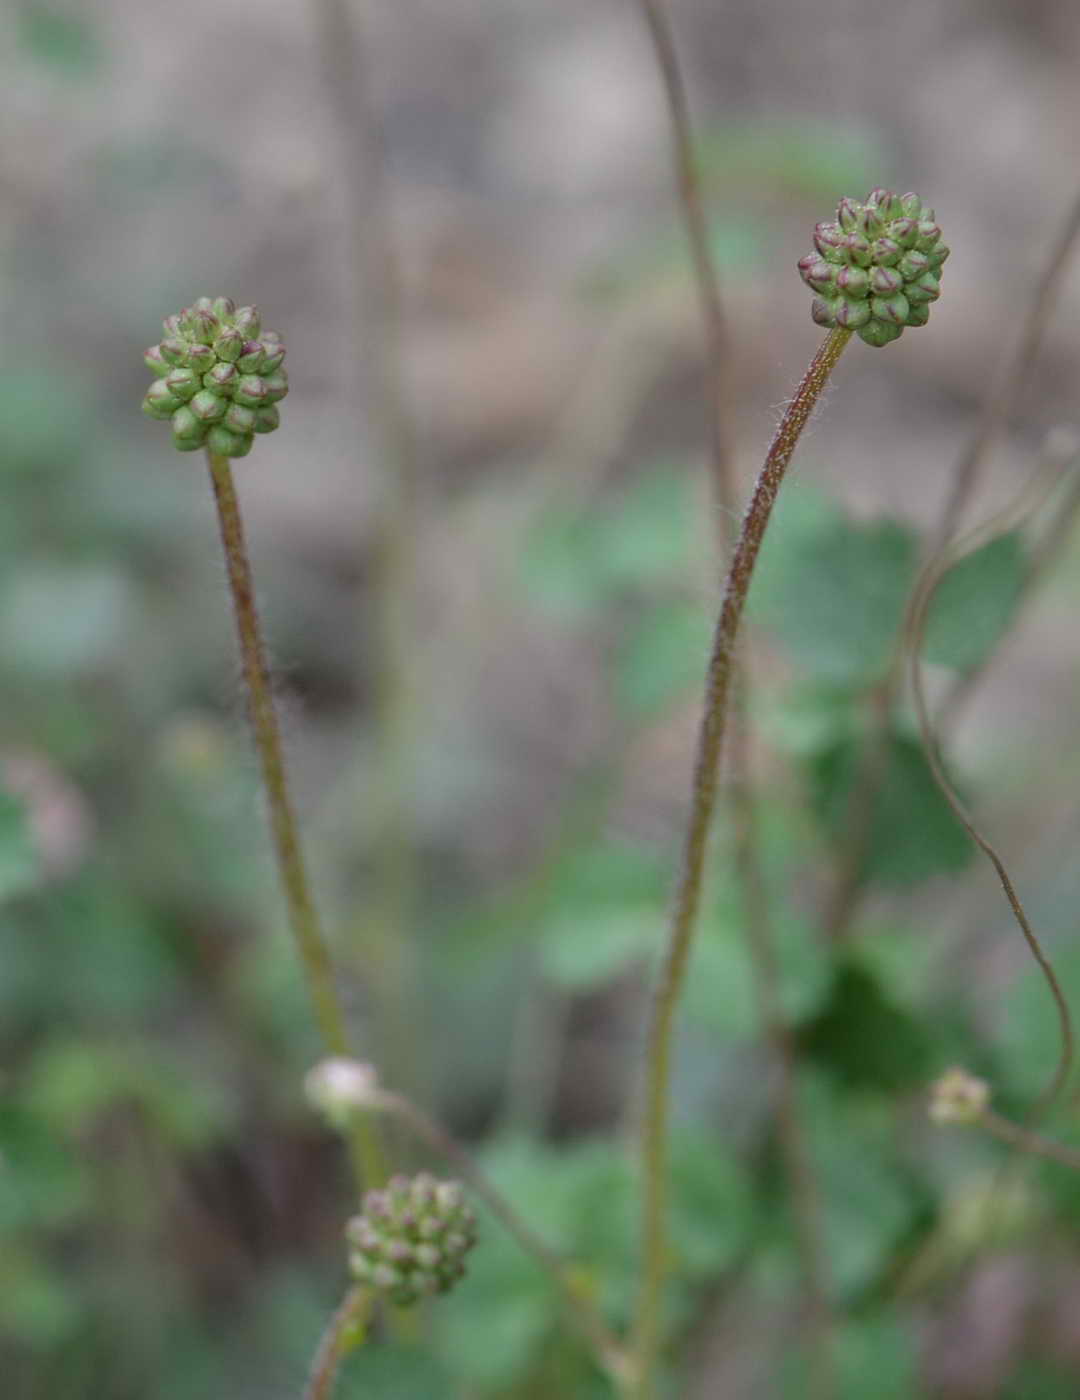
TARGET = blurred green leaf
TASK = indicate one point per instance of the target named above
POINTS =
(806, 154)
(394, 1369)
(739, 246)
(56, 619)
(38, 1304)
(664, 657)
(86, 951)
(877, 1356)
(913, 833)
(605, 910)
(576, 559)
(581, 1200)
(721, 991)
(834, 592)
(865, 1040)
(870, 1203)
(19, 863)
(70, 1084)
(42, 1182)
(1027, 1029)
(43, 416)
(583, 951)
(974, 603)
(60, 36)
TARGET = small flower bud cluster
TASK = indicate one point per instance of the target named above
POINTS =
(959, 1097)
(877, 268)
(219, 377)
(411, 1239)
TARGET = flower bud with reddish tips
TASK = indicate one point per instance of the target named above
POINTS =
(876, 267)
(218, 375)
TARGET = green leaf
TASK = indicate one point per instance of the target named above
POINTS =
(974, 604)
(58, 618)
(44, 414)
(870, 1203)
(583, 951)
(818, 157)
(721, 991)
(59, 36)
(664, 658)
(19, 864)
(877, 1356)
(576, 560)
(393, 1369)
(72, 1083)
(834, 592)
(500, 1321)
(606, 907)
(913, 833)
(865, 1040)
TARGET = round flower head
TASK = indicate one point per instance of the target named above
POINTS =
(877, 267)
(219, 377)
(958, 1097)
(411, 1239)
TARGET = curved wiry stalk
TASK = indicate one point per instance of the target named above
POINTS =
(931, 576)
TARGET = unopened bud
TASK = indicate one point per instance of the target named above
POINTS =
(876, 267)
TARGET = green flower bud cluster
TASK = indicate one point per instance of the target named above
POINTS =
(219, 377)
(877, 268)
(411, 1239)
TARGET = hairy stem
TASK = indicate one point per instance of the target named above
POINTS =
(798, 1167)
(343, 1334)
(654, 1148)
(575, 1294)
(802, 1182)
(303, 920)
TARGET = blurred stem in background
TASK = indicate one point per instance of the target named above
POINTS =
(934, 570)
(303, 919)
(386, 927)
(803, 1188)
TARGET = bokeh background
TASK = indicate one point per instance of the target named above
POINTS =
(485, 542)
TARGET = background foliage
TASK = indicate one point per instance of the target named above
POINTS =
(170, 1210)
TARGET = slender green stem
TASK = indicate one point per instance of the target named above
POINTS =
(654, 1150)
(344, 1332)
(576, 1296)
(303, 920)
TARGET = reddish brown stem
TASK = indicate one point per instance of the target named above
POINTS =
(688, 895)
